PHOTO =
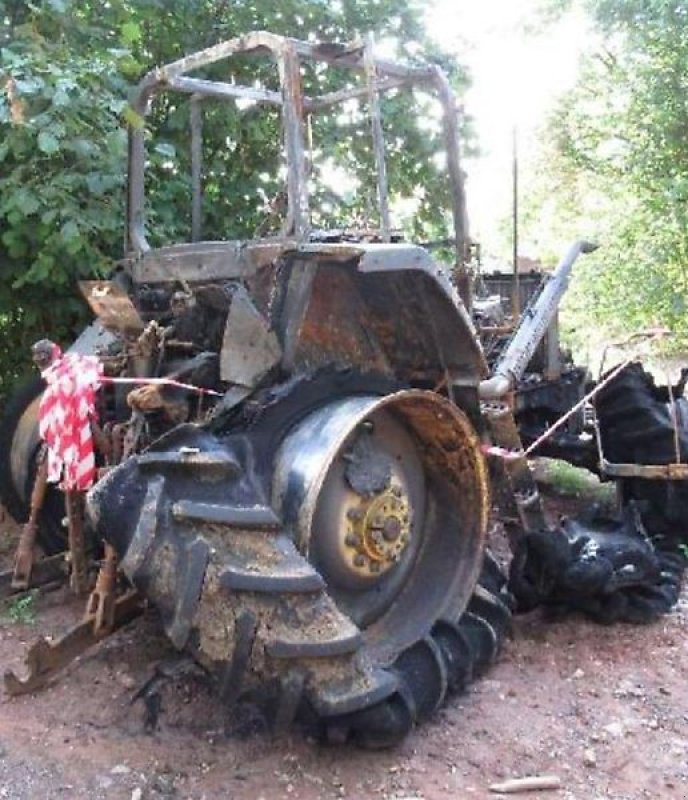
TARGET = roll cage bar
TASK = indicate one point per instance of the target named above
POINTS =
(380, 76)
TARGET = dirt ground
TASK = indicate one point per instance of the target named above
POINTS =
(604, 709)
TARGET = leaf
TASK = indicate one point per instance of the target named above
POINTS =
(29, 85)
(47, 143)
(26, 201)
(95, 183)
(130, 32)
(61, 98)
(165, 149)
(69, 231)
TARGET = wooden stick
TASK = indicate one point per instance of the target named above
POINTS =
(532, 783)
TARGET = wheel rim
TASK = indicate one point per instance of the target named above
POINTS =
(388, 499)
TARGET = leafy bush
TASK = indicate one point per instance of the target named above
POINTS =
(66, 69)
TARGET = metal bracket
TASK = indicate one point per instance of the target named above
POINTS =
(45, 657)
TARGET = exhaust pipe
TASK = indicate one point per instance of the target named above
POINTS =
(534, 323)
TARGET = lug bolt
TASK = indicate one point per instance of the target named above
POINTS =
(351, 540)
(354, 514)
(391, 530)
(359, 560)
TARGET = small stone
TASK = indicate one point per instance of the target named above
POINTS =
(578, 674)
(653, 724)
(126, 680)
(120, 769)
(614, 729)
(137, 794)
(589, 758)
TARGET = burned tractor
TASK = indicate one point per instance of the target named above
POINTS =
(298, 481)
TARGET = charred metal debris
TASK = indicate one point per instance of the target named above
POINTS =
(298, 440)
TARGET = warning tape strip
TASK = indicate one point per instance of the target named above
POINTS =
(501, 452)
(163, 382)
(510, 455)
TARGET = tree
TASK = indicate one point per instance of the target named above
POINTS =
(67, 67)
(619, 165)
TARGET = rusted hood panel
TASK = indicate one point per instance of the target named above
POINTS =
(385, 307)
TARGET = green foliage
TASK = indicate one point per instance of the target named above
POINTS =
(21, 609)
(561, 478)
(618, 170)
(66, 71)
(62, 157)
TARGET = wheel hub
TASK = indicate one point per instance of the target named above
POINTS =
(378, 532)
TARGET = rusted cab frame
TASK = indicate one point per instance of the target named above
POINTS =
(379, 76)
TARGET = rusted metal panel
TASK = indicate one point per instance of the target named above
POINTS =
(112, 305)
(297, 297)
(335, 327)
(206, 261)
(419, 302)
(249, 348)
(394, 321)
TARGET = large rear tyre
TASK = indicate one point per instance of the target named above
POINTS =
(336, 573)
(19, 445)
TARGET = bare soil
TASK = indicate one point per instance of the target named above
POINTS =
(604, 709)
